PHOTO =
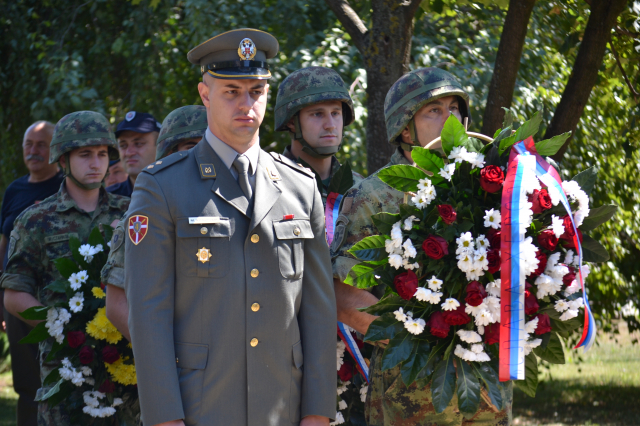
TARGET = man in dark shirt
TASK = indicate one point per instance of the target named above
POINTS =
(137, 135)
(43, 180)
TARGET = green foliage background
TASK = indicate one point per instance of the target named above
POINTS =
(113, 56)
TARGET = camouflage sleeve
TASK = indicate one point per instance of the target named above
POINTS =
(25, 260)
(113, 271)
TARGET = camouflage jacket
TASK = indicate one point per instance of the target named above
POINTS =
(389, 402)
(41, 235)
(113, 271)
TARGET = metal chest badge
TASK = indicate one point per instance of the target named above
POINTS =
(138, 226)
(247, 49)
(203, 255)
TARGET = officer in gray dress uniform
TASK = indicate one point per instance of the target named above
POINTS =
(228, 276)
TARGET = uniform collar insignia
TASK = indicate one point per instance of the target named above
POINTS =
(207, 171)
(273, 173)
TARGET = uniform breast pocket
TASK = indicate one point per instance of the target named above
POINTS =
(290, 236)
(202, 250)
(57, 246)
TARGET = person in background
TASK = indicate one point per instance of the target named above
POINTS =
(42, 181)
(116, 173)
(137, 135)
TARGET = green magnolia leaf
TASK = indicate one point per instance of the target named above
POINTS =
(384, 221)
(96, 238)
(427, 160)
(74, 245)
(501, 134)
(473, 145)
(567, 326)
(530, 383)
(553, 145)
(491, 382)
(52, 377)
(58, 286)
(370, 248)
(443, 384)
(66, 266)
(36, 313)
(453, 134)
(553, 352)
(423, 377)
(64, 391)
(38, 334)
(491, 157)
(402, 177)
(528, 128)
(57, 347)
(54, 390)
(363, 274)
(384, 327)
(342, 180)
(468, 389)
(108, 234)
(598, 216)
(593, 251)
(398, 350)
(587, 179)
(416, 362)
(506, 143)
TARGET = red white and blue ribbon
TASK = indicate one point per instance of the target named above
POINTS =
(353, 349)
(331, 212)
(512, 277)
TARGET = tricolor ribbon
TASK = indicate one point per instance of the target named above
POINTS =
(525, 159)
(331, 212)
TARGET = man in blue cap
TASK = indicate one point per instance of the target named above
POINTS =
(137, 135)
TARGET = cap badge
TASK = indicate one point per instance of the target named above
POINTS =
(130, 115)
(247, 49)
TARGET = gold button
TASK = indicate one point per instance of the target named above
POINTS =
(255, 238)
(296, 231)
(254, 342)
(203, 230)
(176, 360)
(255, 307)
(254, 273)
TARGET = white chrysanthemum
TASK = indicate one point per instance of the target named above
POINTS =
(408, 265)
(458, 154)
(475, 310)
(528, 346)
(575, 193)
(422, 200)
(447, 171)
(476, 160)
(409, 249)
(64, 316)
(531, 326)
(77, 378)
(76, 303)
(342, 405)
(586, 270)
(558, 271)
(544, 284)
(554, 194)
(569, 313)
(422, 294)
(574, 287)
(52, 314)
(340, 353)
(469, 356)
(484, 317)
(400, 315)
(557, 226)
(342, 389)
(477, 349)
(465, 243)
(576, 304)
(483, 357)
(493, 303)
(86, 251)
(391, 246)
(474, 273)
(568, 259)
(434, 283)
(469, 336)
(363, 393)
(66, 362)
(66, 373)
(424, 184)
(481, 330)
(561, 305)
(482, 243)
(75, 282)
(450, 304)
(480, 261)
(493, 288)
(83, 276)
(459, 351)
(408, 222)
(434, 297)
(395, 260)
(492, 219)
(396, 231)
(339, 419)
(415, 326)
(528, 260)
(86, 371)
(465, 262)
(97, 249)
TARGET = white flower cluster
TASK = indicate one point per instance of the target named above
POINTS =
(472, 256)
(426, 194)
(569, 307)
(528, 260)
(476, 351)
(343, 388)
(414, 326)
(529, 344)
(447, 171)
(431, 294)
(400, 252)
(488, 312)
(340, 352)
(550, 282)
(93, 407)
(75, 376)
(557, 226)
(363, 392)
(88, 251)
(76, 303)
(575, 193)
(460, 154)
(339, 419)
(77, 279)
(575, 286)
(57, 318)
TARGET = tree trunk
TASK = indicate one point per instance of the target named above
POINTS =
(507, 64)
(386, 49)
(603, 16)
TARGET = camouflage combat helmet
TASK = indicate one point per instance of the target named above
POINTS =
(306, 87)
(80, 129)
(411, 92)
(186, 122)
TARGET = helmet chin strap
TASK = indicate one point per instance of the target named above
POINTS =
(319, 152)
(67, 172)
(413, 135)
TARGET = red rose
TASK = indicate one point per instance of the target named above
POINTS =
(493, 256)
(495, 239)
(491, 179)
(110, 354)
(492, 333)
(86, 355)
(542, 263)
(475, 295)
(435, 247)
(437, 326)
(568, 278)
(541, 201)
(457, 317)
(107, 387)
(76, 338)
(530, 303)
(346, 371)
(568, 241)
(406, 284)
(568, 228)
(447, 213)
(544, 324)
(548, 240)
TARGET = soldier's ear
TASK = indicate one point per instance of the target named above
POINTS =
(291, 126)
(203, 89)
(406, 136)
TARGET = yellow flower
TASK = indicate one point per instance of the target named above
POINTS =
(121, 372)
(98, 293)
(102, 329)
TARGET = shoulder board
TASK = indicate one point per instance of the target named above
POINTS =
(295, 166)
(163, 163)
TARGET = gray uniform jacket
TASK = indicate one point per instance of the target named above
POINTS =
(247, 336)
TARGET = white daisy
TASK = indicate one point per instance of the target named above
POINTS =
(484, 317)
(409, 249)
(408, 222)
(458, 154)
(492, 219)
(415, 326)
(400, 315)
(75, 281)
(561, 305)
(469, 336)
(434, 283)
(447, 171)
(450, 304)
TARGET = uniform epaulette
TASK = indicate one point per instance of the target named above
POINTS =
(154, 168)
(295, 166)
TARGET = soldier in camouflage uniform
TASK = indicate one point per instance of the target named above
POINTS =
(314, 105)
(42, 232)
(416, 108)
(181, 130)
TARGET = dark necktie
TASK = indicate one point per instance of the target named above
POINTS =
(241, 164)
